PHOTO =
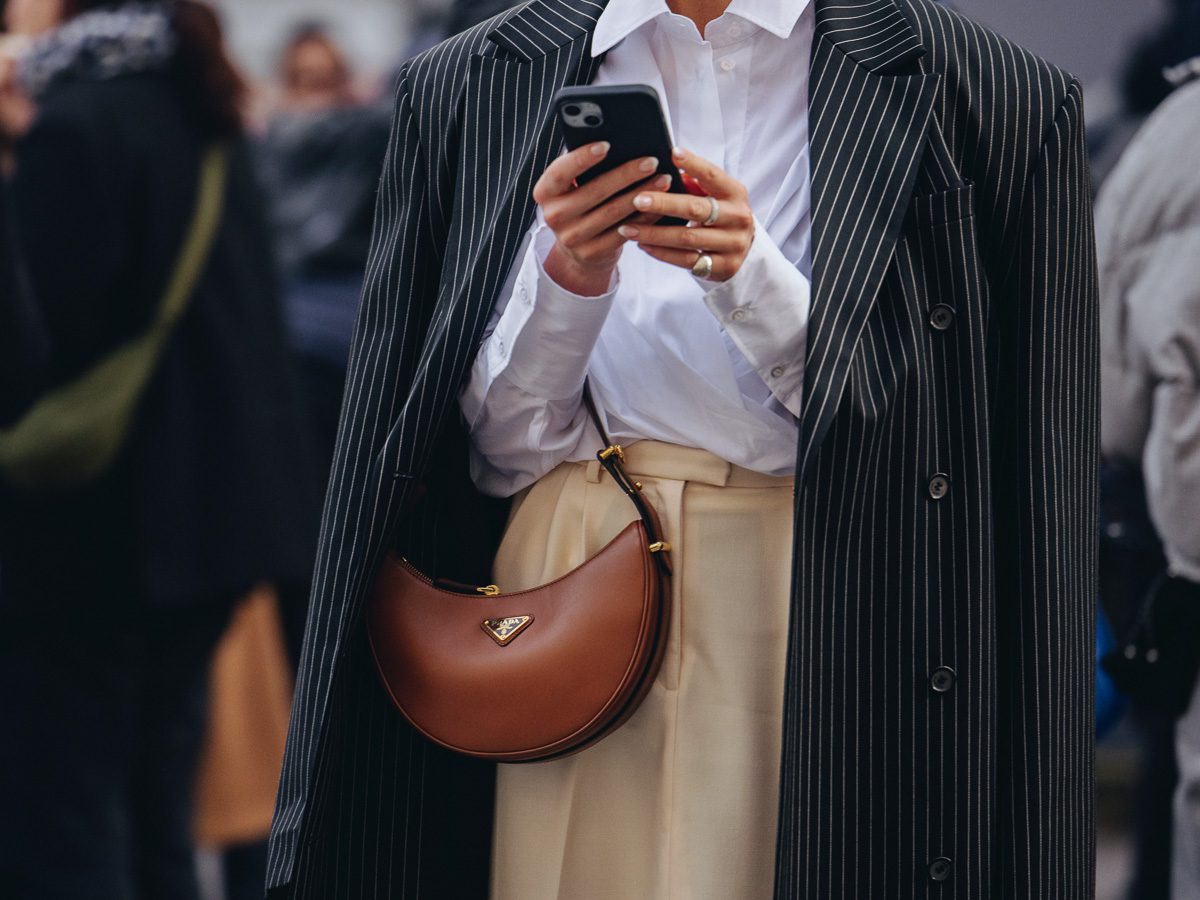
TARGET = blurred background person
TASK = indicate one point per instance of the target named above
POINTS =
(1141, 85)
(1148, 232)
(320, 161)
(113, 594)
(1131, 552)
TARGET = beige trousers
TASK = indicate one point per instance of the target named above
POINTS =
(680, 803)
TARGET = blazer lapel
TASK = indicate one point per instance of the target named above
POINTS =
(869, 109)
(543, 26)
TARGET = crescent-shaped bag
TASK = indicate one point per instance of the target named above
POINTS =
(536, 674)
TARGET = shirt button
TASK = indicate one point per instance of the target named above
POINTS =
(778, 372)
(738, 314)
(728, 65)
(939, 869)
(942, 680)
(941, 317)
(735, 31)
(939, 486)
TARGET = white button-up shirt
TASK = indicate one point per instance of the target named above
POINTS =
(670, 357)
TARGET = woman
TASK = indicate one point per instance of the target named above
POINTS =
(860, 390)
(114, 593)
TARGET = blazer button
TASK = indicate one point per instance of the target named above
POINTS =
(939, 486)
(942, 680)
(941, 317)
(939, 869)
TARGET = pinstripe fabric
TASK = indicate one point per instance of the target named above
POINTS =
(948, 168)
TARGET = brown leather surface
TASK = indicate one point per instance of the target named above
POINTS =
(574, 674)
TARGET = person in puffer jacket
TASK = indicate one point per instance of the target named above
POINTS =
(1148, 233)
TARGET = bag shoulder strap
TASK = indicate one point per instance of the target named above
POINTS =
(612, 458)
(201, 236)
(590, 402)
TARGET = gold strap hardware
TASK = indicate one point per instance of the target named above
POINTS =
(660, 547)
(490, 591)
(614, 449)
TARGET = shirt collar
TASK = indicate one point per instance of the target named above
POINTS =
(622, 18)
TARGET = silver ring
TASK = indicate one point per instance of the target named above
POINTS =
(714, 214)
(703, 267)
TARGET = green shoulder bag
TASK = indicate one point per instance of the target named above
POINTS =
(75, 432)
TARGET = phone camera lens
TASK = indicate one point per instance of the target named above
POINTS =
(572, 111)
(592, 121)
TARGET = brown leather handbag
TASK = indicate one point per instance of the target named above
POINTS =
(532, 675)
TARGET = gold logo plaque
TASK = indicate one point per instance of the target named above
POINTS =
(502, 631)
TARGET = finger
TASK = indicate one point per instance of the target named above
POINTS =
(603, 218)
(733, 215)
(685, 259)
(603, 244)
(560, 175)
(620, 208)
(608, 185)
(716, 240)
(711, 178)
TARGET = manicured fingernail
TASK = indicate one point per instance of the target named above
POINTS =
(600, 148)
(649, 164)
(642, 201)
(680, 153)
(662, 182)
(628, 231)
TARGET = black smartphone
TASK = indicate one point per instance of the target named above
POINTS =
(628, 116)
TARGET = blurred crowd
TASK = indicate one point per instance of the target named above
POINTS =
(151, 614)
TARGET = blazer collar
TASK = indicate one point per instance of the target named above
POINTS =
(874, 33)
(622, 18)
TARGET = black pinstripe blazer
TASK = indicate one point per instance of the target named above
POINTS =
(938, 727)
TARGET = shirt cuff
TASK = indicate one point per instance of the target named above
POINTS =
(764, 309)
(545, 337)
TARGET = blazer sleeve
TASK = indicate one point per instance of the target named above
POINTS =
(1046, 459)
(400, 285)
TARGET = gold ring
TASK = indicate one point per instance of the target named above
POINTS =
(703, 267)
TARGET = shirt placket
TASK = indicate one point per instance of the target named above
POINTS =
(731, 72)
(699, 128)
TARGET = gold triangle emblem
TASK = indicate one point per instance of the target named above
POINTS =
(502, 631)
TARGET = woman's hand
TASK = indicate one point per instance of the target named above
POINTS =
(726, 241)
(585, 218)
